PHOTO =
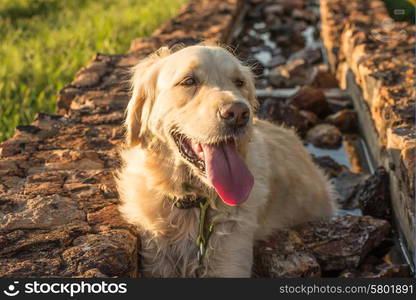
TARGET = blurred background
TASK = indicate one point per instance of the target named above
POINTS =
(44, 42)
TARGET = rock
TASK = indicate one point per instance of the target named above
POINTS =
(112, 252)
(35, 242)
(92, 273)
(70, 159)
(310, 116)
(28, 129)
(65, 97)
(343, 242)
(300, 26)
(346, 184)
(290, 5)
(41, 212)
(305, 14)
(346, 120)
(379, 271)
(335, 105)
(310, 55)
(255, 12)
(321, 77)
(274, 10)
(42, 267)
(286, 37)
(284, 255)
(329, 166)
(373, 195)
(408, 165)
(312, 99)
(278, 112)
(90, 75)
(107, 217)
(325, 136)
(276, 61)
(10, 148)
(289, 75)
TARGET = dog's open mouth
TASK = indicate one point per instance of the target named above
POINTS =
(190, 150)
(222, 165)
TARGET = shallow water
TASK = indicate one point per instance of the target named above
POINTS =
(353, 154)
(339, 155)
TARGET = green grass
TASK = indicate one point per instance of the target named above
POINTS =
(44, 42)
(401, 5)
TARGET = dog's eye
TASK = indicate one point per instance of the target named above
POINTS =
(239, 82)
(189, 81)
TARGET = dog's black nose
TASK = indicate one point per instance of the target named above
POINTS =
(235, 114)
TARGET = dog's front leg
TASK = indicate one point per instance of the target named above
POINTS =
(231, 254)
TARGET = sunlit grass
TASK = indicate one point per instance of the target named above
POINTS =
(402, 10)
(44, 42)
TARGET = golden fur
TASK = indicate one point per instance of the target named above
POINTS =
(288, 189)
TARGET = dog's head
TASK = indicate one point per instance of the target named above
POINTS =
(199, 103)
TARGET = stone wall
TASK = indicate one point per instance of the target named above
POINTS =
(373, 57)
(58, 214)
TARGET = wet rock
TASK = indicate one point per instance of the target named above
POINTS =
(250, 41)
(408, 165)
(373, 195)
(278, 112)
(290, 5)
(300, 26)
(274, 10)
(335, 105)
(321, 77)
(288, 38)
(346, 184)
(255, 12)
(310, 116)
(343, 242)
(312, 99)
(289, 75)
(304, 14)
(276, 61)
(284, 255)
(310, 55)
(325, 136)
(379, 271)
(329, 166)
(346, 120)
(382, 66)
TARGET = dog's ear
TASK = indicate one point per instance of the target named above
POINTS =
(143, 85)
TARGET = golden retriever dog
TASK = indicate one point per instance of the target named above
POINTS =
(202, 178)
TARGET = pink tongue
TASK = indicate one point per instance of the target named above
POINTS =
(228, 173)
